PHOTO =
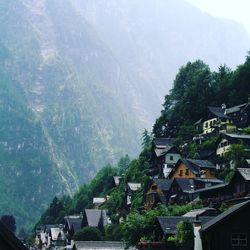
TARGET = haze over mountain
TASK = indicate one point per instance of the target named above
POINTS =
(79, 80)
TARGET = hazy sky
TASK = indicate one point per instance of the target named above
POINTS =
(238, 10)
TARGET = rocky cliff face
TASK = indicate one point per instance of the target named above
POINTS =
(79, 79)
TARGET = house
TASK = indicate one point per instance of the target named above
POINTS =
(95, 218)
(72, 223)
(164, 156)
(117, 180)
(240, 183)
(130, 189)
(157, 193)
(190, 168)
(98, 201)
(165, 226)
(205, 211)
(229, 230)
(8, 240)
(83, 245)
(182, 191)
(226, 140)
(224, 120)
(57, 237)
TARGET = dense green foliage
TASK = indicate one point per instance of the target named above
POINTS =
(88, 234)
(195, 88)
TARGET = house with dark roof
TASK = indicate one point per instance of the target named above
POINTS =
(166, 225)
(72, 223)
(8, 240)
(224, 120)
(229, 230)
(226, 140)
(182, 191)
(131, 188)
(95, 218)
(240, 183)
(158, 192)
(190, 168)
(164, 157)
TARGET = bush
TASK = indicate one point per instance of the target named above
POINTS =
(88, 234)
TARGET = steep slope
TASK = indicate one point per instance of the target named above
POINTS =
(79, 79)
(73, 101)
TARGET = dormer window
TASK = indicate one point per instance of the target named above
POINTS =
(171, 157)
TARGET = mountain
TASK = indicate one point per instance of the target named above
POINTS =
(80, 79)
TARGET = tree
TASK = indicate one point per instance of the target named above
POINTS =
(88, 234)
(146, 139)
(236, 155)
(185, 234)
(10, 222)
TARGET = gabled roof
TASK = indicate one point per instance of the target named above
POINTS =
(117, 180)
(199, 212)
(237, 108)
(74, 222)
(163, 151)
(56, 232)
(9, 239)
(202, 163)
(163, 142)
(80, 245)
(163, 184)
(237, 136)
(94, 217)
(134, 186)
(168, 223)
(224, 216)
(218, 112)
(215, 187)
(245, 173)
(98, 200)
(186, 184)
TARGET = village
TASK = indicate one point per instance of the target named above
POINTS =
(175, 180)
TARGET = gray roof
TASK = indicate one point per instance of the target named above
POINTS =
(202, 163)
(82, 245)
(163, 142)
(225, 215)
(74, 222)
(94, 217)
(162, 151)
(237, 136)
(219, 186)
(198, 212)
(218, 112)
(168, 223)
(163, 184)
(245, 172)
(236, 108)
(186, 184)
(134, 186)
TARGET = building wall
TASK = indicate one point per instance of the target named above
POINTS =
(172, 158)
(207, 125)
(220, 237)
(183, 172)
(223, 147)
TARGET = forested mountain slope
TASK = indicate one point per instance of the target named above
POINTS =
(80, 80)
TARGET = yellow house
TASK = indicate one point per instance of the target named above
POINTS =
(190, 168)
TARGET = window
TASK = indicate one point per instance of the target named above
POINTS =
(206, 124)
(186, 172)
(171, 158)
(181, 172)
(239, 239)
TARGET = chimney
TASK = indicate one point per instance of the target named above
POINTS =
(197, 237)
